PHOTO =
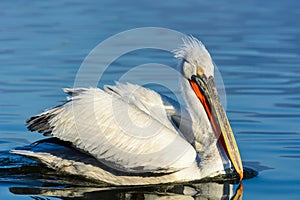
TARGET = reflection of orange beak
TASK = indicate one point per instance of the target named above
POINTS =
(206, 92)
(238, 193)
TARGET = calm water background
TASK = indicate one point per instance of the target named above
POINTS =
(254, 43)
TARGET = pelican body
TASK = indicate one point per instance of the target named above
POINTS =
(130, 135)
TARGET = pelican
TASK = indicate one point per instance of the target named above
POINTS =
(127, 134)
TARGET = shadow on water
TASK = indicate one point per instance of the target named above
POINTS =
(29, 177)
(40, 183)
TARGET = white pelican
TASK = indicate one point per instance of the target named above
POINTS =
(131, 135)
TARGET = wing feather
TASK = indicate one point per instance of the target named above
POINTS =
(162, 108)
(145, 99)
(116, 132)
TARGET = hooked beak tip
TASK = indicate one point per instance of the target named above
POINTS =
(241, 174)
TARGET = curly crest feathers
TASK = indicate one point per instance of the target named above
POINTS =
(195, 53)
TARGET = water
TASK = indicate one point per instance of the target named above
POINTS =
(255, 45)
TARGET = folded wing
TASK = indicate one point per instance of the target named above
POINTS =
(117, 132)
(162, 108)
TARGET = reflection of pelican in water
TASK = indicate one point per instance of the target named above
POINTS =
(131, 135)
(200, 191)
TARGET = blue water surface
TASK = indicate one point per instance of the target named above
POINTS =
(255, 44)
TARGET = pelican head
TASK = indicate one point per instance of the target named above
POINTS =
(198, 68)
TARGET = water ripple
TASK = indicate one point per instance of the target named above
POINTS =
(255, 45)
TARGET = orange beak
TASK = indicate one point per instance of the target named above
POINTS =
(206, 92)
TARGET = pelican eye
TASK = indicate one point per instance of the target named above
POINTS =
(200, 70)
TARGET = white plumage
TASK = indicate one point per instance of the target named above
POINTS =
(135, 131)
(118, 133)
